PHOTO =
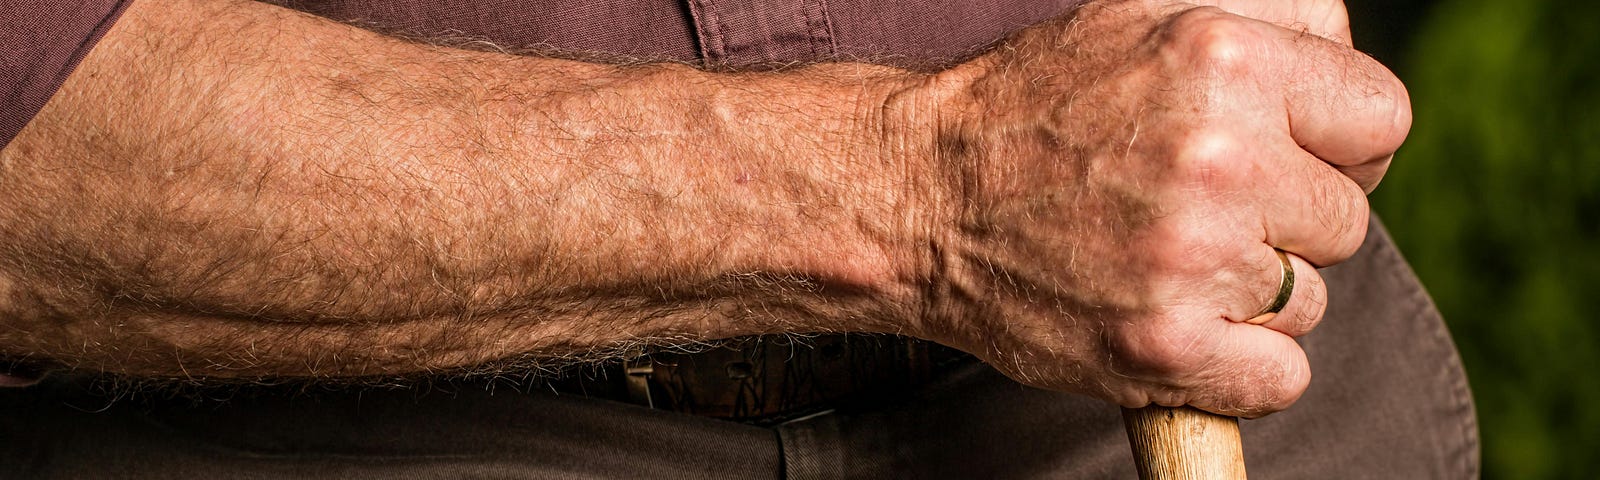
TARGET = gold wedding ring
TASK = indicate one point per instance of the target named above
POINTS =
(1285, 291)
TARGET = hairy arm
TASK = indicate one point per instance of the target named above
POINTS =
(231, 189)
(1096, 205)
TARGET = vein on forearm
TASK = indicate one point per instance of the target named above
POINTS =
(268, 188)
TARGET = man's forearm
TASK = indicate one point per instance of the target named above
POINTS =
(234, 189)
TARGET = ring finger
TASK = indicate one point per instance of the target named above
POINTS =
(1307, 300)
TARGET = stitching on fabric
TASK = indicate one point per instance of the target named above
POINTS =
(819, 29)
(710, 30)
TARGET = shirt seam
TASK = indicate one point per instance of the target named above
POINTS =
(710, 30)
(819, 29)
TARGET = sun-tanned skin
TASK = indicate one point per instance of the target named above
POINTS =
(227, 189)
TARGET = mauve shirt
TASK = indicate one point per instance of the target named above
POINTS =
(44, 39)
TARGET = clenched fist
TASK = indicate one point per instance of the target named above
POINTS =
(1119, 182)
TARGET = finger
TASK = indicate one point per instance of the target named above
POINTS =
(1257, 371)
(1342, 105)
(1307, 302)
(1300, 203)
(1308, 207)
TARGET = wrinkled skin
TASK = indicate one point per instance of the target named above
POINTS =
(1116, 183)
(1124, 176)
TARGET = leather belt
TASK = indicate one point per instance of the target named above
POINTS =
(769, 379)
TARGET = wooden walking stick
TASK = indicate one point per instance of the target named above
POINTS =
(1184, 444)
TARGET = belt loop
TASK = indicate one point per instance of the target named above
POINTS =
(639, 371)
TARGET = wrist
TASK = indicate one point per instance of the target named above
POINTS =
(864, 194)
(924, 126)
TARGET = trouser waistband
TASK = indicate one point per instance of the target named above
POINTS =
(769, 379)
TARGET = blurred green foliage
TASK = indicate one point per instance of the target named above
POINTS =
(1496, 200)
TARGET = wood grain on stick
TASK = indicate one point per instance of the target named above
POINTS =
(1184, 444)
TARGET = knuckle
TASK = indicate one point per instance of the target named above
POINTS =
(1345, 219)
(1210, 157)
(1304, 322)
(1306, 318)
(1213, 39)
(1316, 305)
(1353, 233)
(1385, 106)
(1382, 102)
(1400, 125)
